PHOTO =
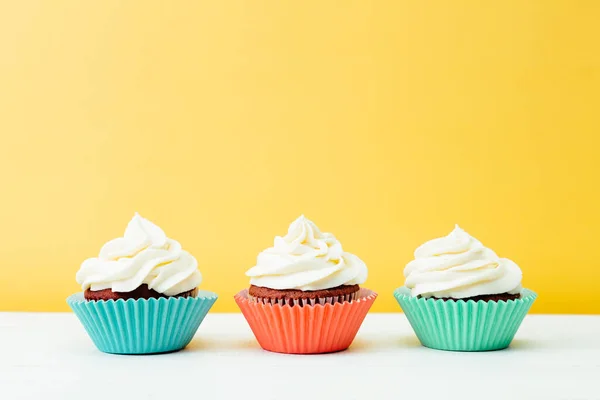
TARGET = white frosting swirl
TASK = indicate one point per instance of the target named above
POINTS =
(143, 255)
(459, 266)
(306, 259)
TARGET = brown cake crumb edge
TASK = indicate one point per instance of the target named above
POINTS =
(142, 292)
(292, 294)
(485, 297)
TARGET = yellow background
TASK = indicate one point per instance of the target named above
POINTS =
(385, 122)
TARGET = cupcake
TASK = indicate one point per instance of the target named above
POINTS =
(140, 295)
(459, 295)
(304, 295)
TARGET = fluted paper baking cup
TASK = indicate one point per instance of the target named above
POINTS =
(305, 329)
(142, 326)
(460, 325)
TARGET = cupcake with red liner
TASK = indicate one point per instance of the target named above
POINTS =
(140, 295)
(304, 295)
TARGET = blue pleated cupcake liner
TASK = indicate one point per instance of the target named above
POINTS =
(459, 325)
(143, 326)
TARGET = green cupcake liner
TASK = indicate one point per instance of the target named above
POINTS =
(464, 325)
(142, 326)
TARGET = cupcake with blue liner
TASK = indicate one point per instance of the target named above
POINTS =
(140, 295)
(459, 295)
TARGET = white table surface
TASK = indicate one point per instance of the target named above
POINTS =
(49, 356)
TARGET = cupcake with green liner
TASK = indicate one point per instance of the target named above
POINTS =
(140, 295)
(459, 295)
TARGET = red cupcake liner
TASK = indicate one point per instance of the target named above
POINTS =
(307, 329)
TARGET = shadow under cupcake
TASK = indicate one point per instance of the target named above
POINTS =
(140, 294)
